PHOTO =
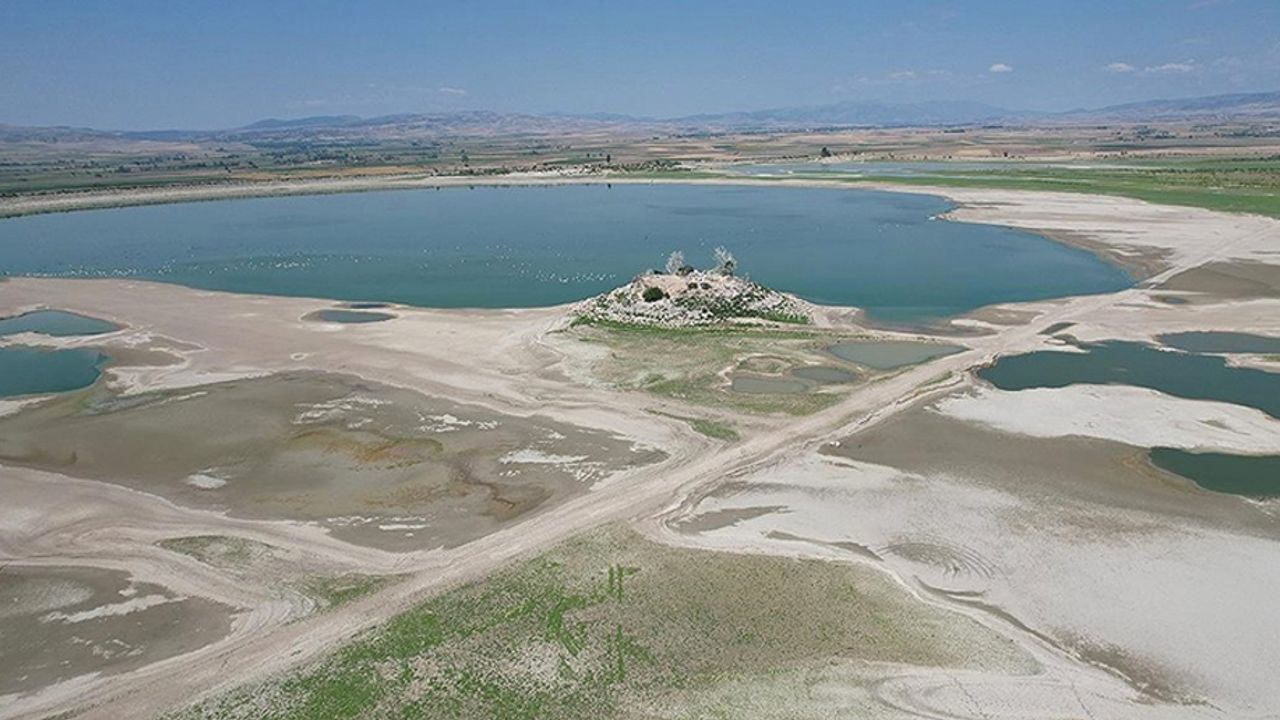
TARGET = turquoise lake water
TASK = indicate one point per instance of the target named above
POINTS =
(537, 246)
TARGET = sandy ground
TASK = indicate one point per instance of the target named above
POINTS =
(511, 362)
(1157, 602)
(1132, 415)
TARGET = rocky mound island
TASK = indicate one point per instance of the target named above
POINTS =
(684, 296)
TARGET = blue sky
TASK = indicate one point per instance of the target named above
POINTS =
(135, 64)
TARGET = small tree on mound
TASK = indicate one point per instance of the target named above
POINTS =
(725, 261)
(675, 261)
(653, 294)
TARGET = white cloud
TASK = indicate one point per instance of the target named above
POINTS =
(1000, 68)
(1119, 67)
(451, 91)
(1172, 68)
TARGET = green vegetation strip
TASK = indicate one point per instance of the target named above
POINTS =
(685, 363)
(1251, 186)
(711, 428)
(611, 625)
(252, 560)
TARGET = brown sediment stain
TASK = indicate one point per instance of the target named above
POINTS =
(847, 546)
(369, 448)
(718, 519)
(1144, 676)
(1141, 262)
(1240, 279)
(139, 357)
(347, 454)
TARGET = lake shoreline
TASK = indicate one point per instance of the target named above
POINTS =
(518, 362)
(1124, 232)
(1139, 265)
(823, 244)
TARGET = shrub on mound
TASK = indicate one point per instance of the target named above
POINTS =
(653, 294)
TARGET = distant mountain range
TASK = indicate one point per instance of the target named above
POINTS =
(1238, 106)
(430, 127)
(857, 114)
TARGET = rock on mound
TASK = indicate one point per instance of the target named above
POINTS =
(691, 297)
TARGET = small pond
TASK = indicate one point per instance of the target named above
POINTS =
(36, 371)
(1249, 475)
(56, 323)
(1222, 342)
(349, 317)
(1186, 375)
(824, 374)
(765, 385)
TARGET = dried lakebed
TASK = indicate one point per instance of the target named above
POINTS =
(58, 623)
(376, 465)
(1077, 540)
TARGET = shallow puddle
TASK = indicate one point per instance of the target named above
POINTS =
(1249, 475)
(824, 374)
(1056, 328)
(56, 323)
(890, 354)
(764, 385)
(353, 317)
(1221, 342)
(1197, 377)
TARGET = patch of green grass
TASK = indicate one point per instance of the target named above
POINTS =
(612, 625)
(701, 390)
(787, 318)
(331, 591)
(711, 428)
(222, 551)
(714, 429)
(686, 363)
(1251, 186)
(255, 561)
(694, 330)
(672, 174)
